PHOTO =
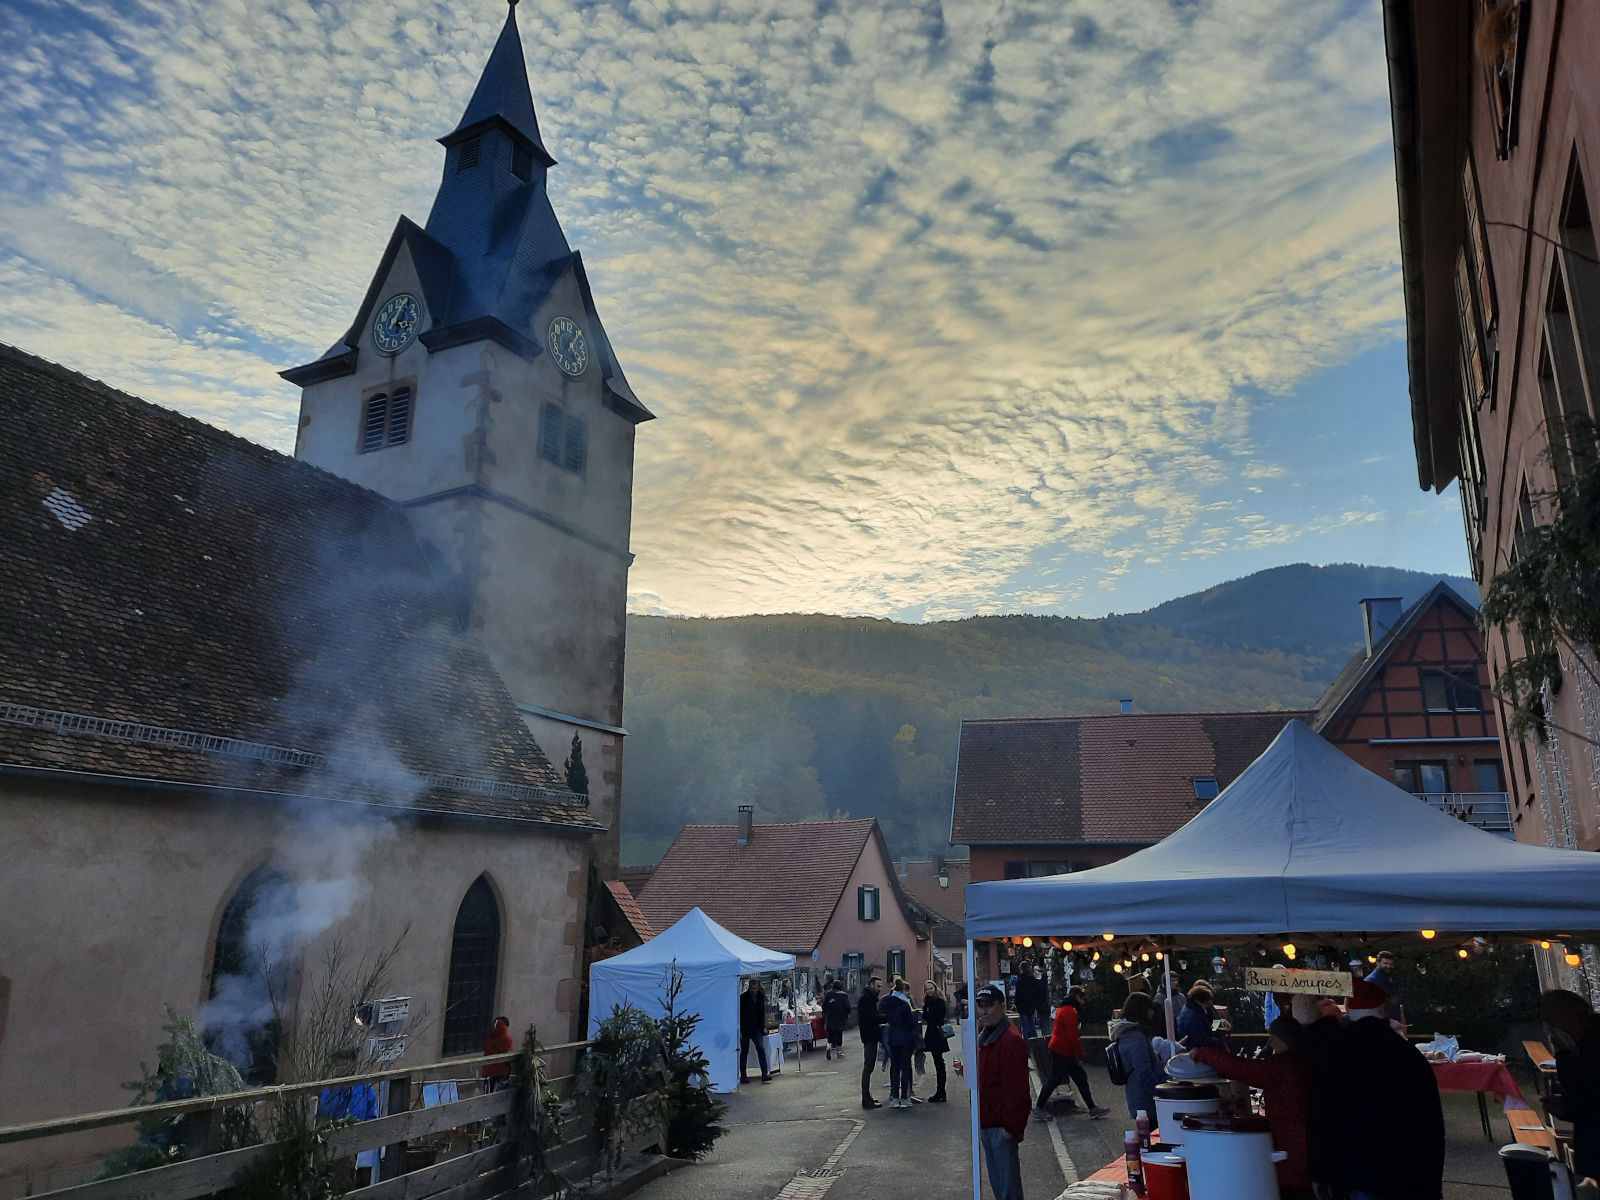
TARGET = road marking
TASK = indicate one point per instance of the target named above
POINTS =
(1069, 1169)
(814, 1185)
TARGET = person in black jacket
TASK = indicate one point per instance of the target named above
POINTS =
(1033, 1003)
(1575, 1041)
(835, 1016)
(868, 1023)
(934, 1014)
(753, 1028)
(1374, 1125)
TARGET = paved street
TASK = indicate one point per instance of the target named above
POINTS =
(806, 1133)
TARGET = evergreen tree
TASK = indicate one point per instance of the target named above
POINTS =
(577, 777)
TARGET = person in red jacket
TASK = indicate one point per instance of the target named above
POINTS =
(499, 1041)
(1066, 1059)
(1002, 1092)
(1285, 1081)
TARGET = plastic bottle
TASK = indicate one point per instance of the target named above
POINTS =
(1130, 1151)
(1141, 1125)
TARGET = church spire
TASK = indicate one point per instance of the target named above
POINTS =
(502, 96)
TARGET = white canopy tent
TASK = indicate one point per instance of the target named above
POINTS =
(711, 961)
(1304, 841)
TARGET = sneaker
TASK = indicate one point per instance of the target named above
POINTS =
(1097, 1113)
(1042, 1114)
(869, 1102)
(938, 1098)
(913, 1099)
(766, 1079)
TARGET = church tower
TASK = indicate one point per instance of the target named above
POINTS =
(478, 389)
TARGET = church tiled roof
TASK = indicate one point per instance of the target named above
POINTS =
(185, 606)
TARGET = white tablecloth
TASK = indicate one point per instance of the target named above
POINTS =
(774, 1052)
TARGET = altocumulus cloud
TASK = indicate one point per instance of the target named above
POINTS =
(917, 289)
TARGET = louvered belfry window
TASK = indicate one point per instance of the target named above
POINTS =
(522, 162)
(474, 967)
(563, 439)
(468, 158)
(386, 417)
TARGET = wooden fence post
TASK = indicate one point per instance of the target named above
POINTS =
(392, 1162)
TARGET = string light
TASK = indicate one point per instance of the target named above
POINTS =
(1429, 934)
(1108, 936)
(1573, 960)
(1027, 943)
(1288, 950)
(1117, 967)
(1145, 957)
(1066, 945)
(1159, 956)
(1096, 957)
(1461, 953)
(1544, 945)
(1372, 958)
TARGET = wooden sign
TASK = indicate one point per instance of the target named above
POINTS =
(1297, 981)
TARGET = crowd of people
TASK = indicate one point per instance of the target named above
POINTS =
(894, 1030)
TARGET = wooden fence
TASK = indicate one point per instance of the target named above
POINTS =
(476, 1160)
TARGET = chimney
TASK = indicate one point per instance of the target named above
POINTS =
(1379, 614)
(1127, 707)
(747, 823)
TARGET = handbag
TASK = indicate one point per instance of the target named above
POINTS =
(948, 1030)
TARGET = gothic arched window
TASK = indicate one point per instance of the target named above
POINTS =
(239, 1022)
(474, 966)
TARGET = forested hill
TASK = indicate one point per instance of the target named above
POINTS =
(814, 716)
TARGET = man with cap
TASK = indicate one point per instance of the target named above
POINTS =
(1003, 1100)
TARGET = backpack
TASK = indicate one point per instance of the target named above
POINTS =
(1116, 1070)
(1117, 1067)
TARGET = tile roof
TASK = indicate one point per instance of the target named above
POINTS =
(1108, 779)
(636, 877)
(222, 589)
(630, 909)
(948, 905)
(779, 890)
(1362, 665)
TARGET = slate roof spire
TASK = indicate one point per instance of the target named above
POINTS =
(502, 96)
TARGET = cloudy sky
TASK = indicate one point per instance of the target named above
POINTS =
(983, 306)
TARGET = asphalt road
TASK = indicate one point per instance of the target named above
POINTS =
(805, 1136)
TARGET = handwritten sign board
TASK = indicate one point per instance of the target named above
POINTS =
(1297, 981)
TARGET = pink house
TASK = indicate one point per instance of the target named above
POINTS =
(825, 891)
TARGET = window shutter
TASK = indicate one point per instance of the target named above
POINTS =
(576, 445)
(550, 421)
(861, 903)
(468, 157)
(400, 416)
(376, 422)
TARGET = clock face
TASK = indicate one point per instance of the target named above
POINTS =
(396, 323)
(568, 347)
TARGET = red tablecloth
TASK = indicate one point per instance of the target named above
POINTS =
(819, 1031)
(1480, 1077)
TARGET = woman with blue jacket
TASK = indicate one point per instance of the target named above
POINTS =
(1136, 1036)
(900, 1035)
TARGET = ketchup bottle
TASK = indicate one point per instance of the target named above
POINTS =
(1141, 1126)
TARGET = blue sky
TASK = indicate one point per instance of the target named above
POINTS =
(992, 306)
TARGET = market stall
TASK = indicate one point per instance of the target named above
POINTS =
(711, 961)
(1305, 847)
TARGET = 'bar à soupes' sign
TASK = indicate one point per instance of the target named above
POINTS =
(1297, 981)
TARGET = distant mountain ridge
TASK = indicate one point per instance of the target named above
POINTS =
(811, 716)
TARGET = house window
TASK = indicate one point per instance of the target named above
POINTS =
(1497, 46)
(867, 902)
(854, 960)
(239, 1024)
(522, 162)
(386, 418)
(563, 438)
(1474, 348)
(474, 967)
(1489, 775)
(1570, 356)
(1451, 691)
(897, 963)
(467, 158)
(1422, 778)
(1205, 787)
(1039, 868)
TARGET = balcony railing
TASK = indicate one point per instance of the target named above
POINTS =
(1489, 811)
